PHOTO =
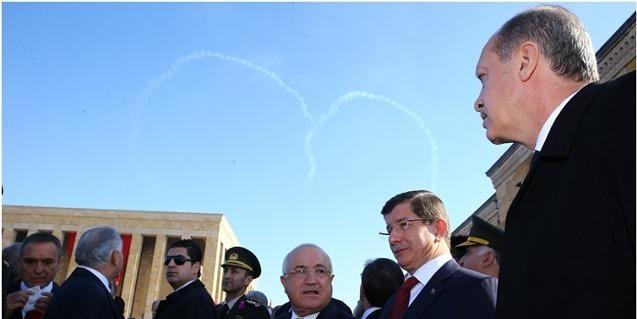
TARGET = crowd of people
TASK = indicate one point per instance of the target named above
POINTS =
(568, 250)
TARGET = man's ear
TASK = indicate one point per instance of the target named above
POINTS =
(488, 258)
(528, 56)
(441, 228)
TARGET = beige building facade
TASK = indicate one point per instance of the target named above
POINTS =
(146, 236)
(615, 58)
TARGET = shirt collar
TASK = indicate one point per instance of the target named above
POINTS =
(99, 276)
(426, 271)
(310, 316)
(369, 311)
(47, 288)
(231, 303)
(184, 285)
(546, 128)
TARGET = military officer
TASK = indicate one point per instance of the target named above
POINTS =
(239, 269)
(482, 248)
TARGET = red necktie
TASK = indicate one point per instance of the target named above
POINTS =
(402, 300)
(33, 314)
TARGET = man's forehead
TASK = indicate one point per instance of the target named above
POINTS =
(178, 251)
(37, 247)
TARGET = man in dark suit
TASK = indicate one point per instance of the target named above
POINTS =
(307, 281)
(190, 299)
(570, 231)
(482, 248)
(38, 262)
(381, 278)
(436, 286)
(86, 293)
(239, 269)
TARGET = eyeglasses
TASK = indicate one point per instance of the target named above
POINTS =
(320, 272)
(179, 260)
(403, 225)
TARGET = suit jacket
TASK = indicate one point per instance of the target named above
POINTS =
(570, 231)
(15, 286)
(244, 308)
(329, 312)
(284, 308)
(452, 293)
(82, 296)
(190, 302)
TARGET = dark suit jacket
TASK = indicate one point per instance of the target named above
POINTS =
(335, 302)
(190, 302)
(329, 312)
(82, 296)
(570, 232)
(244, 308)
(454, 293)
(15, 286)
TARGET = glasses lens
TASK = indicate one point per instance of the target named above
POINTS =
(179, 260)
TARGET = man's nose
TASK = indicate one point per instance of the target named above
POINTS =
(478, 104)
(38, 267)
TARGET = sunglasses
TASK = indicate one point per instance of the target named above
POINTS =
(179, 260)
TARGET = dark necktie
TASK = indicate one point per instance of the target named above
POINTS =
(33, 314)
(224, 311)
(402, 299)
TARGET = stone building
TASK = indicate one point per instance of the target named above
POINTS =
(146, 237)
(615, 58)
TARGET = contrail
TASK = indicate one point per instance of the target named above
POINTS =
(335, 107)
(316, 123)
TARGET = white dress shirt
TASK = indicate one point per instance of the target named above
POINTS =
(369, 311)
(425, 272)
(99, 276)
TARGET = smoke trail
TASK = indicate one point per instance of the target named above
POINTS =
(316, 124)
(335, 107)
(142, 99)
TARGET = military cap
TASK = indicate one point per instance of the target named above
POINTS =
(243, 258)
(483, 233)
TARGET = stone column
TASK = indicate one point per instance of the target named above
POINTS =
(59, 234)
(72, 263)
(8, 237)
(132, 266)
(156, 272)
(208, 264)
(32, 231)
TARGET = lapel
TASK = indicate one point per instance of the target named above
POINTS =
(560, 138)
(431, 291)
(329, 312)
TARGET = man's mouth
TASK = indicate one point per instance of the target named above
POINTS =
(311, 292)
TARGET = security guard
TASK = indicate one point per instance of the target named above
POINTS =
(483, 248)
(240, 267)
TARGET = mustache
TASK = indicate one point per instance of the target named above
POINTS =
(398, 247)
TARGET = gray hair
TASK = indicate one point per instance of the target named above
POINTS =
(257, 296)
(96, 246)
(561, 38)
(294, 251)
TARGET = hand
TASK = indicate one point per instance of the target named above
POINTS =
(42, 303)
(17, 300)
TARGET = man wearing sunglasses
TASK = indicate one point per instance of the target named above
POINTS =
(436, 286)
(239, 269)
(189, 300)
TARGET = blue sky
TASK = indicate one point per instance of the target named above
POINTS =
(296, 120)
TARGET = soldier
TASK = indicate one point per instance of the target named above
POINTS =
(483, 248)
(239, 269)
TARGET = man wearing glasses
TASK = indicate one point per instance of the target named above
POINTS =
(307, 280)
(435, 286)
(189, 300)
(239, 269)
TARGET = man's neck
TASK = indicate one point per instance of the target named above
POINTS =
(233, 295)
